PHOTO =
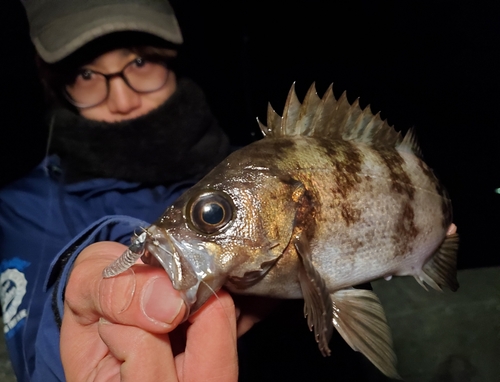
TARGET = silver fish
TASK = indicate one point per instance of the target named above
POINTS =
(332, 197)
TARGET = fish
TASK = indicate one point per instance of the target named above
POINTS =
(330, 198)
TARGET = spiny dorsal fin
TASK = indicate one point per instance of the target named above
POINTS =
(335, 119)
(307, 112)
(410, 143)
(323, 115)
(290, 112)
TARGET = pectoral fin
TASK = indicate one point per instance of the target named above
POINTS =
(441, 268)
(317, 301)
(360, 319)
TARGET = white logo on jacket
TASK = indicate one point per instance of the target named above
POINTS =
(13, 288)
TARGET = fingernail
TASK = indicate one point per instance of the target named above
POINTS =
(160, 302)
(103, 321)
(117, 292)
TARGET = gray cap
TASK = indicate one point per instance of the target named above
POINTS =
(59, 27)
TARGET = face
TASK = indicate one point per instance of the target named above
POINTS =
(123, 102)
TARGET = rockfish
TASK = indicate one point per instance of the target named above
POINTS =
(330, 198)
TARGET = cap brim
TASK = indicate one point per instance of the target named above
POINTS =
(67, 34)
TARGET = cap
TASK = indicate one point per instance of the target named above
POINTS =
(60, 27)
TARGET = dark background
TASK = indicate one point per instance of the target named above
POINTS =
(434, 65)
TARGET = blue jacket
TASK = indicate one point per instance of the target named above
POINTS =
(39, 216)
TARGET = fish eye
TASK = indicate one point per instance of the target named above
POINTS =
(210, 212)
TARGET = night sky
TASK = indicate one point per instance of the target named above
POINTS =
(433, 65)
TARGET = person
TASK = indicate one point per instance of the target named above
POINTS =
(127, 137)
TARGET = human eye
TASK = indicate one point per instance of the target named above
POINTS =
(84, 79)
(140, 62)
(141, 67)
(84, 75)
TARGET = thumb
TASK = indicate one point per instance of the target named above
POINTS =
(143, 296)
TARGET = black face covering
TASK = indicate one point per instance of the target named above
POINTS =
(179, 140)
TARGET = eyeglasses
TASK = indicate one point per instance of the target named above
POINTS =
(90, 87)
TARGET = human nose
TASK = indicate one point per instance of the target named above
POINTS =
(121, 98)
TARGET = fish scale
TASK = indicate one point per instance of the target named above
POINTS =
(350, 201)
(330, 198)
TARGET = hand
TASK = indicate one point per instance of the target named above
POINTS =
(127, 327)
(451, 230)
(252, 309)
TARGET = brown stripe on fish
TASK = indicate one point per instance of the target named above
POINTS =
(405, 230)
(280, 148)
(400, 181)
(430, 174)
(441, 191)
(306, 213)
(283, 145)
(269, 150)
(346, 161)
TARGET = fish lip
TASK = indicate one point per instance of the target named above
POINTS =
(187, 265)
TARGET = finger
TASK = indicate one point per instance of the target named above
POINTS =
(141, 356)
(252, 309)
(81, 349)
(211, 353)
(142, 296)
(245, 323)
(451, 230)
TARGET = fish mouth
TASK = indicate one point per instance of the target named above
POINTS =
(189, 266)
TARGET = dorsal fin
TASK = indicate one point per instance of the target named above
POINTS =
(410, 143)
(328, 117)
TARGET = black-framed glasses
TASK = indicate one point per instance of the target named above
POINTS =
(90, 87)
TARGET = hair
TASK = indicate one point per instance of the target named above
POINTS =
(55, 76)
